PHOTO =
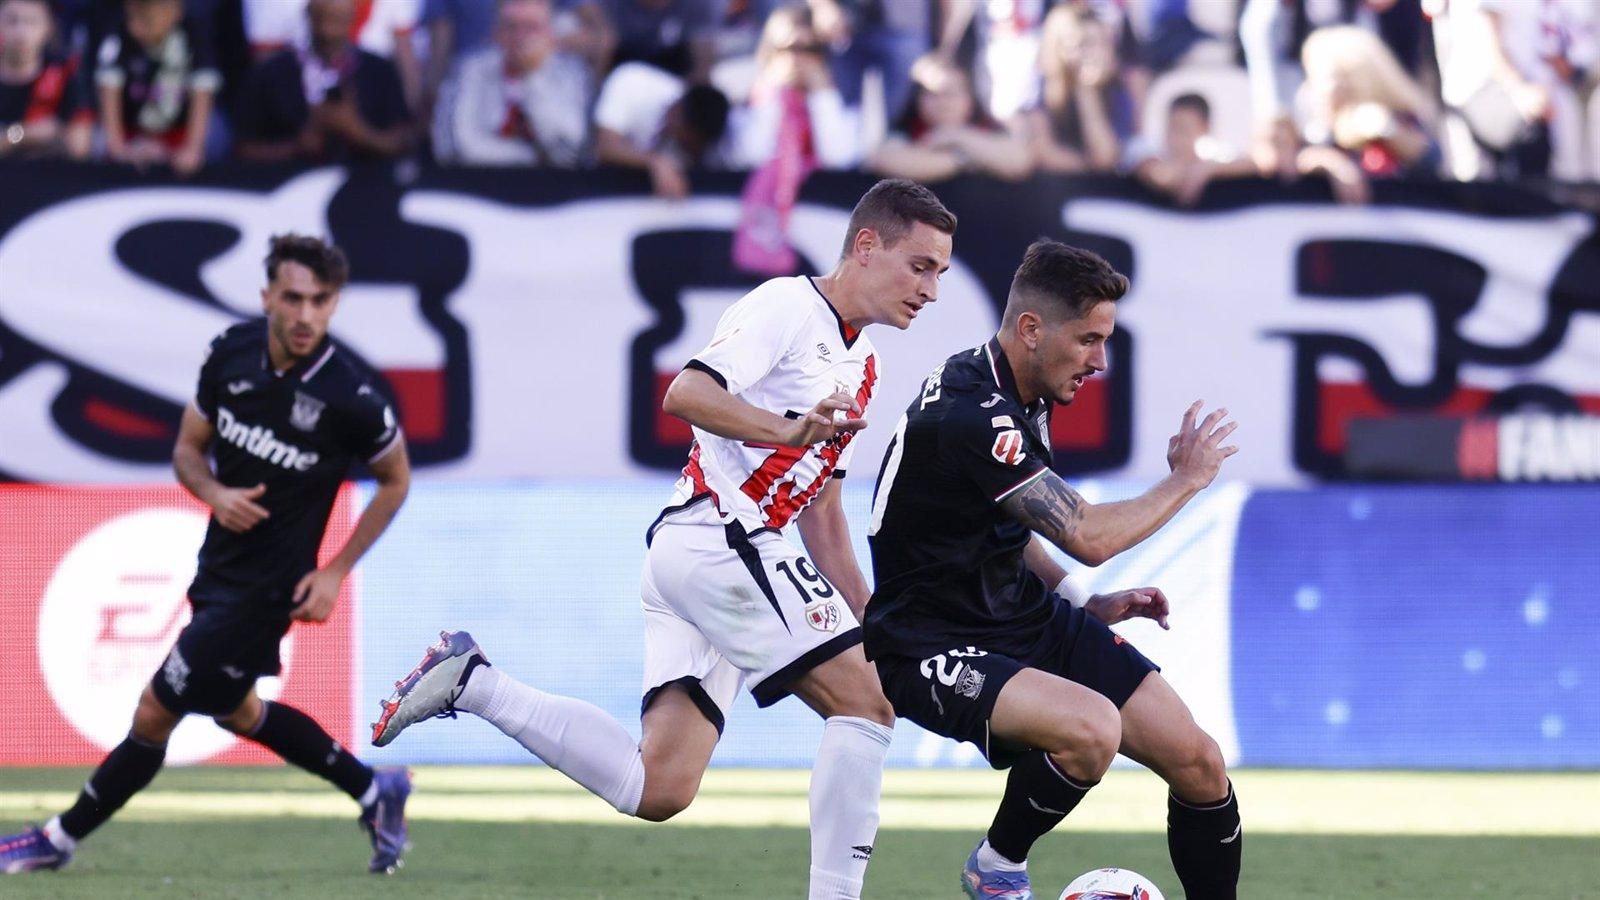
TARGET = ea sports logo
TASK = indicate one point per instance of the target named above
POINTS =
(114, 605)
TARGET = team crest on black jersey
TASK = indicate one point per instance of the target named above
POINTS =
(307, 411)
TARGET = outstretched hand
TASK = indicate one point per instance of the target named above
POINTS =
(1137, 603)
(1196, 451)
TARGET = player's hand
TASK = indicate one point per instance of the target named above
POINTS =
(236, 509)
(836, 414)
(316, 594)
(1138, 603)
(1196, 452)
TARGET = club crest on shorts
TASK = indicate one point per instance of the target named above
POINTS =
(306, 411)
(823, 615)
(970, 683)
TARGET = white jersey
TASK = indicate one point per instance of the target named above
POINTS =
(782, 348)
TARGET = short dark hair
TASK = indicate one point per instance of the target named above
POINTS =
(1056, 278)
(891, 207)
(705, 112)
(1192, 101)
(325, 261)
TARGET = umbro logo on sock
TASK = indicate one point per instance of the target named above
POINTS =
(862, 851)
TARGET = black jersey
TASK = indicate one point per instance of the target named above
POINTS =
(947, 561)
(297, 433)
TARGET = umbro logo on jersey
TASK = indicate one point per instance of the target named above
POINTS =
(236, 388)
(991, 402)
(823, 349)
(262, 443)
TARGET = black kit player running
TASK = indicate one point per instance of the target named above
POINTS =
(283, 413)
(968, 626)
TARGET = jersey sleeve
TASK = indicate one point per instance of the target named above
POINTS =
(205, 390)
(373, 430)
(751, 337)
(989, 447)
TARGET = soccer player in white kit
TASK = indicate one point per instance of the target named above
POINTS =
(775, 400)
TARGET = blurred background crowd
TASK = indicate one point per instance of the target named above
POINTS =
(1177, 92)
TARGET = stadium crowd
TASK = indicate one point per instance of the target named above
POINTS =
(1176, 92)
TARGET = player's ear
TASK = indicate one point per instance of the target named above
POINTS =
(866, 241)
(265, 298)
(1028, 327)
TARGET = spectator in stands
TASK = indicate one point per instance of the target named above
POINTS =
(521, 102)
(945, 132)
(382, 27)
(649, 119)
(1515, 71)
(157, 82)
(1273, 32)
(1085, 112)
(1357, 99)
(886, 36)
(1190, 156)
(324, 100)
(1007, 35)
(42, 112)
(676, 35)
(1280, 152)
(792, 63)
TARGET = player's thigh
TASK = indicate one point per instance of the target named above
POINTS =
(1051, 713)
(952, 693)
(845, 685)
(245, 717)
(1159, 732)
(755, 598)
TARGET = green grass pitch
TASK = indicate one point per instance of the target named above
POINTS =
(525, 832)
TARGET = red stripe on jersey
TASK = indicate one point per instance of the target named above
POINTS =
(785, 502)
(697, 477)
(358, 22)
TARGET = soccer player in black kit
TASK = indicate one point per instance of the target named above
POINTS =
(284, 411)
(975, 631)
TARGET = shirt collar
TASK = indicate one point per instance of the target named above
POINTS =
(1004, 378)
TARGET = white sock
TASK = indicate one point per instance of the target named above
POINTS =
(371, 795)
(990, 860)
(845, 784)
(579, 739)
(58, 836)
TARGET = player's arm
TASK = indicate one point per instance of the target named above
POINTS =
(1145, 602)
(315, 595)
(826, 534)
(234, 508)
(1094, 532)
(699, 398)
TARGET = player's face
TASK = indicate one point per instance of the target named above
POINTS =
(905, 277)
(1068, 353)
(298, 306)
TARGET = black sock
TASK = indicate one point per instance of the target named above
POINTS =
(124, 772)
(1206, 842)
(297, 738)
(1038, 796)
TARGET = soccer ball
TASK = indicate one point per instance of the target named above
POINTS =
(1111, 884)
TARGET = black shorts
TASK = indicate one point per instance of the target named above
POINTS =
(953, 693)
(218, 657)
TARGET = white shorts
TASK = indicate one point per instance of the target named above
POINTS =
(721, 608)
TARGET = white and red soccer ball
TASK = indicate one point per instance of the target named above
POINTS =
(1111, 884)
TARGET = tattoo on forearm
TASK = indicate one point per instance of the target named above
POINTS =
(1051, 508)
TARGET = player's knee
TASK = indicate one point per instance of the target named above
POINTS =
(870, 705)
(1206, 772)
(661, 802)
(1089, 743)
(152, 722)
